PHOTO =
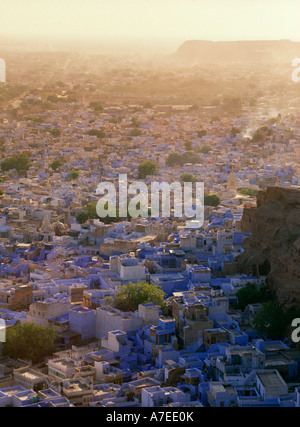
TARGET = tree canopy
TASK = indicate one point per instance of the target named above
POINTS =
(205, 149)
(202, 133)
(249, 192)
(74, 175)
(129, 296)
(96, 106)
(251, 294)
(175, 159)
(188, 145)
(99, 133)
(211, 200)
(261, 134)
(188, 177)
(30, 342)
(57, 163)
(147, 168)
(273, 322)
(135, 132)
(20, 162)
(90, 212)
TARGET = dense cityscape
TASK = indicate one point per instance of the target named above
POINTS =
(149, 311)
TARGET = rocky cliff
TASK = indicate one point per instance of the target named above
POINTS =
(195, 51)
(274, 247)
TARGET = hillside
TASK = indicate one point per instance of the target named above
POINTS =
(274, 248)
(198, 51)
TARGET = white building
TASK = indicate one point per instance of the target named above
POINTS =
(117, 341)
(156, 396)
(128, 268)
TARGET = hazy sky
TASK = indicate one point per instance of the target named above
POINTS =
(152, 19)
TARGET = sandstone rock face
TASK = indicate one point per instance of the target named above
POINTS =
(274, 247)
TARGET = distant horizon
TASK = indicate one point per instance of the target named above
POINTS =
(154, 45)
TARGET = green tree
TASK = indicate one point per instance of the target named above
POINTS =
(211, 200)
(188, 177)
(174, 159)
(74, 175)
(191, 157)
(129, 296)
(30, 342)
(261, 134)
(97, 107)
(188, 145)
(82, 217)
(271, 321)
(249, 192)
(90, 212)
(20, 162)
(202, 133)
(251, 294)
(147, 168)
(57, 163)
(99, 133)
(205, 149)
(135, 132)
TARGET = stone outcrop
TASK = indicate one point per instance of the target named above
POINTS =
(274, 247)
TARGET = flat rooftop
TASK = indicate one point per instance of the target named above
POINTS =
(31, 375)
(270, 379)
(78, 386)
(64, 363)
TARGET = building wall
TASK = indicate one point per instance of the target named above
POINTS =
(149, 313)
(133, 273)
(107, 320)
(116, 341)
(21, 299)
(58, 371)
(83, 322)
(41, 312)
